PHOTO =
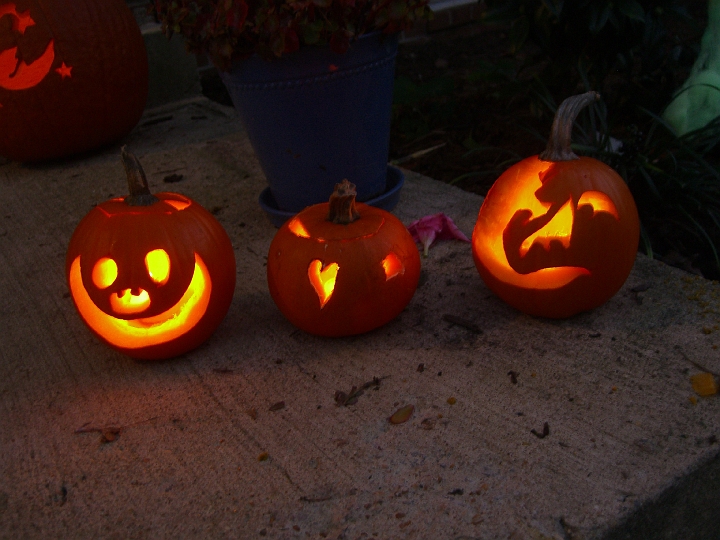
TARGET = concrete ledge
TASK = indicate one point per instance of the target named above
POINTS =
(628, 453)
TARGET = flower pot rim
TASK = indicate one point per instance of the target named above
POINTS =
(386, 200)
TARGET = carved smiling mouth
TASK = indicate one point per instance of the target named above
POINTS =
(147, 331)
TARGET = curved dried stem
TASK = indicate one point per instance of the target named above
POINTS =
(342, 203)
(137, 181)
(558, 146)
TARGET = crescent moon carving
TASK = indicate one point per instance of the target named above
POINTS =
(16, 75)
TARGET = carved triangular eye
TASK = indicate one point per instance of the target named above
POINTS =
(104, 273)
(157, 263)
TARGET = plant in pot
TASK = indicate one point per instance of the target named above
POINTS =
(312, 82)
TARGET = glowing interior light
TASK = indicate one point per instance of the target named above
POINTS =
(506, 200)
(178, 205)
(558, 228)
(146, 331)
(392, 266)
(298, 229)
(157, 263)
(323, 279)
(599, 202)
(126, 302)
(104, 273)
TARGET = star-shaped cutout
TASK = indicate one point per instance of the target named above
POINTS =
(64, 71)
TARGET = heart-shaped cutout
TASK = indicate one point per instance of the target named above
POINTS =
(323, 279)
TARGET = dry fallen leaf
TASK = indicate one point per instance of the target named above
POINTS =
(545, 431)
(403, 414)
(109, 435)
(459, 321)
(277, 406)
(343, 399)
(704, 384)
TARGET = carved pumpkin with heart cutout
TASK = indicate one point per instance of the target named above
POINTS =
(557, 234)
(342, 268)
(73, 76)
(151, 275)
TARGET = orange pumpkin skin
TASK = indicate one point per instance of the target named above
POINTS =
(197, 247)
(567, 268)
(73, 76)
(365, 295)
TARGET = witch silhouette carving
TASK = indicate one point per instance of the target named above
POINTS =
(578, 229)
(15, 72)
(73, 76)
(557, 234)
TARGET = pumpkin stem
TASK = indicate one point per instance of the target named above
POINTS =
(137, 182)
(558, 146)
(342, 203)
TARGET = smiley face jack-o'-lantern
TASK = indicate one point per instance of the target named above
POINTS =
(557, 234)
(151, 275)
(73, 76)
(342, 268)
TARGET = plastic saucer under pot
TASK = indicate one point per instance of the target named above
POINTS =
(387, 200)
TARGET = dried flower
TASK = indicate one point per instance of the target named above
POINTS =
(233, 29)
(436, 227)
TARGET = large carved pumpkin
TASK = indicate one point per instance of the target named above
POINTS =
(557, 234)
(342, 268)
(151, 275)
(73, 76)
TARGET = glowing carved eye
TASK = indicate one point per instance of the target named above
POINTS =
(157, 263)
(104, 273)
(298, 229)
(178, 205)
(600, 203)
(323, 279)
(392, 266)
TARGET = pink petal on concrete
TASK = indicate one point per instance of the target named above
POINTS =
(436, 227)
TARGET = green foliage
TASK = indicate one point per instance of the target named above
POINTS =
(624, 49)
(495, 102)
(675, 181)
(419, 105)
(233, 29)
(632, 52)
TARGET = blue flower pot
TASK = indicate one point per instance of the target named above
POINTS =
(315, 117)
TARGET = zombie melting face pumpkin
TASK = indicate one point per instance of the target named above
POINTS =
(557, 234)
(73, 76)
(342, 268)
(151, 275)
